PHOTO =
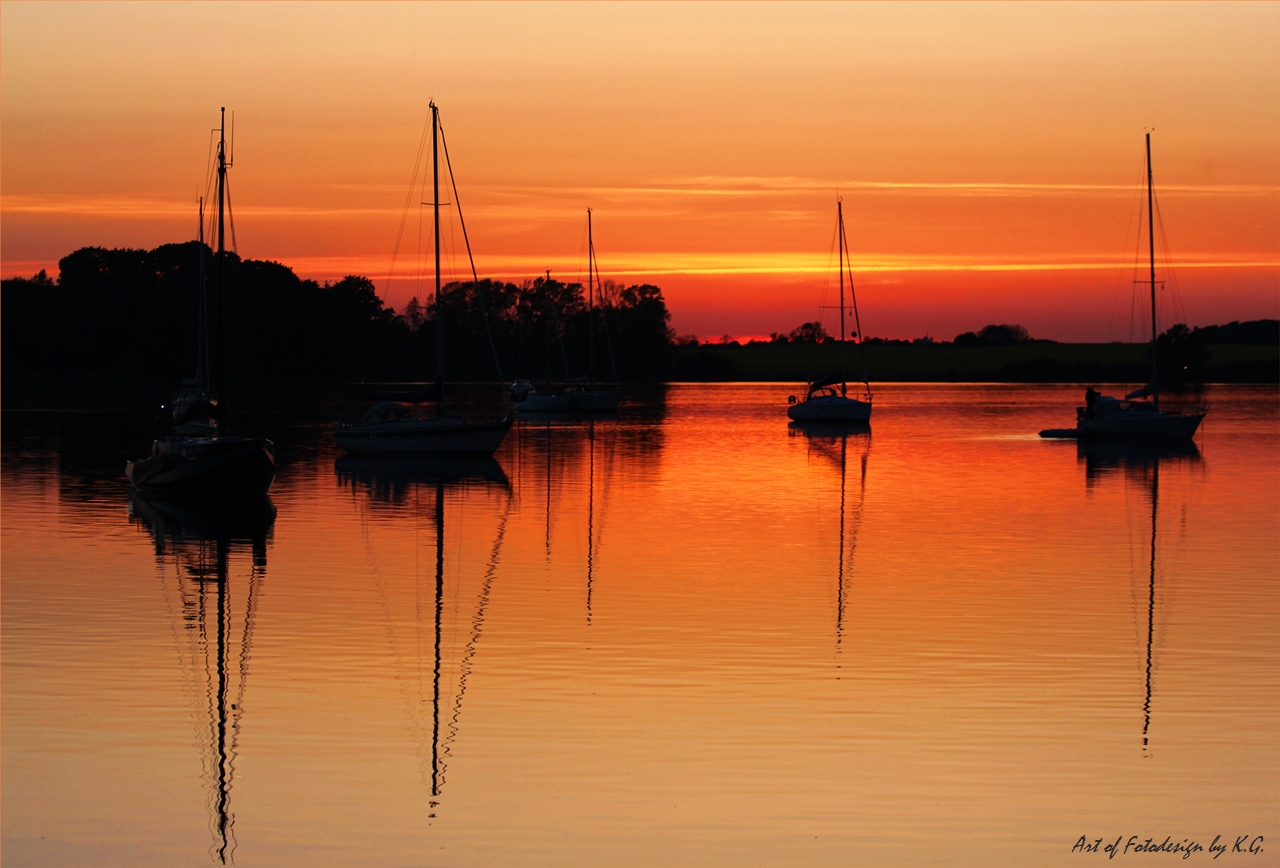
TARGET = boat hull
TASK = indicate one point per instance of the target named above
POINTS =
(569, 402)
(831, 409)
(424, 440)
(219, 467)
(1161, 426)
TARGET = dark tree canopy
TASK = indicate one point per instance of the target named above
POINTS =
(1181, 356)
(1258, 332)
(994, 336)
(134, 313)
(808, 333)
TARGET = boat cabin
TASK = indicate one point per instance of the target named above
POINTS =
(385, 411)
(1105, 407)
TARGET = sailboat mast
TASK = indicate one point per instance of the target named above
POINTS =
(435, 204)
(202, 325)
(844, 387)
(220, 277)
(853, 298)
(591, 306)
(1151, 245)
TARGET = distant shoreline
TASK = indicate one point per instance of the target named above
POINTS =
(1033, 362)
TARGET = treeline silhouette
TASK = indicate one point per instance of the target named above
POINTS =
(134, 313)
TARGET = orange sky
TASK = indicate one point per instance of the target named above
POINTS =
(988, 155)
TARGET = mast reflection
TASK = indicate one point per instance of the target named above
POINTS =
(831, 440)
(194, 547)
(1140, 463)
(391, 479)
(403, 481)
(591, 512)
(559, 451)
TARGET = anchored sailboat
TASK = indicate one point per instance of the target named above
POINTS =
(576, 399)
(388, 427)
(827, 398)
(197, 458)
(1105, 416)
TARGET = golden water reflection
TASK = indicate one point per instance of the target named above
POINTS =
(699, 636)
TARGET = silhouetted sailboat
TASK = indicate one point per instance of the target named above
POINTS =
(827, 398)
(194, 548)
(572, 398)
(388, 427)
(196, 458)
(1132, 417)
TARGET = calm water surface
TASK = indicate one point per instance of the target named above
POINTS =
(689, 636)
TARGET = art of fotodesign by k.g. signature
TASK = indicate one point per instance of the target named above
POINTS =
(1122, 846)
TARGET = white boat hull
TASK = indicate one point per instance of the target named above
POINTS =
(830, 408)
(422, 437)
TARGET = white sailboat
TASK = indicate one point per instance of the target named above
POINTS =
(827, 398)
(1132, 416)
(388, 427)
(196, 459)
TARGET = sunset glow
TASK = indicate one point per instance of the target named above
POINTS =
(988, 156)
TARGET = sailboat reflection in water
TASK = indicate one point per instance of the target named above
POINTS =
(832, 441)
(400, 484)
(195, 553)
(1140, 463)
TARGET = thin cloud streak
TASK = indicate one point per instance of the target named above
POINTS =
(756, 186)
(143, 209)
(710, 186)
(520, 267)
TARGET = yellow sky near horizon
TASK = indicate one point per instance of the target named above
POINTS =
(989, 155)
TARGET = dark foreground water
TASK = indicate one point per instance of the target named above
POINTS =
(689, 636)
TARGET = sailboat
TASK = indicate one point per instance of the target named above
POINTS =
(576, 399)
(194, 547)
(827, 399)
(196, 458)
(388, 427)
(1106, 416)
